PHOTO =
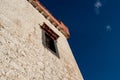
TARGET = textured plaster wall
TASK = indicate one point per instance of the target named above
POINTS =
(22, 54)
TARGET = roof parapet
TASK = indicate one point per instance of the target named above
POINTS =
(58, 24)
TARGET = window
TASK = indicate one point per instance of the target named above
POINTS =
(50, 43)
(49, 39)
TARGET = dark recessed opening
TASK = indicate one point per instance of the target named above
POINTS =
(50, 43)
(50, 39)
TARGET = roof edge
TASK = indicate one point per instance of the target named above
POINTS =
(58, 24)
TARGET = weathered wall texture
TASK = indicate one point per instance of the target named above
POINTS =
(22, 54)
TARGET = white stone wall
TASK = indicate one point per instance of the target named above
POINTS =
(22, 54)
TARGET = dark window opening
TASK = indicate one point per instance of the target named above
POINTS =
(50, 43)
(49, 39)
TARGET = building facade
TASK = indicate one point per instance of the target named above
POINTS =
(33, 44)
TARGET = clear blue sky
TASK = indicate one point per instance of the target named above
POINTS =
(95, 34)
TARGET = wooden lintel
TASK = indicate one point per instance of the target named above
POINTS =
(50, 32)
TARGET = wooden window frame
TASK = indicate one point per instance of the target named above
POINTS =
(52, 36)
